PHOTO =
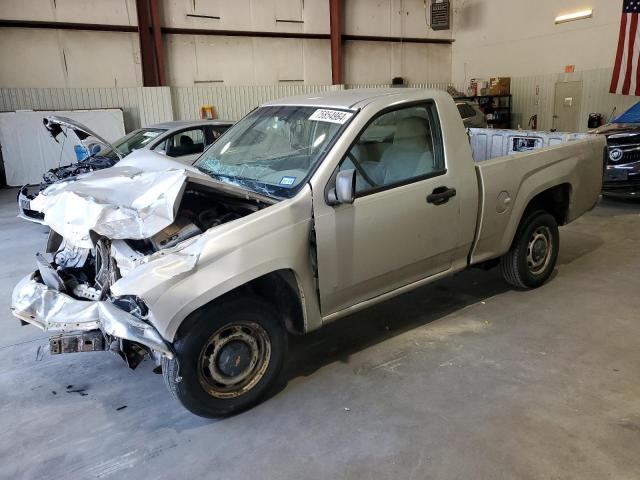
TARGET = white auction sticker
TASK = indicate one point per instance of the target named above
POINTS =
(332, 116)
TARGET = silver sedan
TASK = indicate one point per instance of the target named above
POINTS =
(182, 140)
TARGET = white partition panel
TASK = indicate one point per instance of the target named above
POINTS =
(141, 106)
(28, 150)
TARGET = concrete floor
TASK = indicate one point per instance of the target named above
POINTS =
(464, 379)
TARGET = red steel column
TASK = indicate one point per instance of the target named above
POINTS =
(157, 42)
(147, 51)
(335, 22)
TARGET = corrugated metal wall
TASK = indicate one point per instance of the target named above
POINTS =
(595, 97)
(140, 105)
(147, 105)
(233, 103)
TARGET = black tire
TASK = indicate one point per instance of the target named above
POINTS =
(523, 266)
(218, 341)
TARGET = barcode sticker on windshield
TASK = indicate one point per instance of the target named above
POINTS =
(332, 116)
(288, 180)
(151, 134)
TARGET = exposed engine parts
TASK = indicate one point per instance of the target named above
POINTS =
(199, 211)
(88, 273)
(69, 171)
(84, 273)
(182, 229)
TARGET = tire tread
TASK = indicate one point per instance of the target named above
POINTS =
(509, 262)
(187, 391)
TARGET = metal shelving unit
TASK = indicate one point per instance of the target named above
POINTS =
(502, 109)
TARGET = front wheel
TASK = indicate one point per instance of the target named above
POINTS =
(228, 357)
(534, 252)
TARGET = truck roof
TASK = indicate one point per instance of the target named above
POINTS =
(354, 99)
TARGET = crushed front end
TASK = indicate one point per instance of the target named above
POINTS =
(119, 238)
(69, 295)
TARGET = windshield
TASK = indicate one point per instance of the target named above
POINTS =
(134, 141)
(274, 149)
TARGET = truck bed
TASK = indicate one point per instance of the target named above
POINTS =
(489, 143)
(513, 167)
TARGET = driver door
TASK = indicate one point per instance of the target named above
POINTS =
(395, 233)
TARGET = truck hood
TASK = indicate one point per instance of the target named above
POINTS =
(55, 124)
(133, 200)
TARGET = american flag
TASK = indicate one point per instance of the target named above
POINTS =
(626, 74)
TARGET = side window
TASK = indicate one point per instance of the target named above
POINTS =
(395, 148)
(187, 142)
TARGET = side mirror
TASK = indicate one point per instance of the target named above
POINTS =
(345, 190)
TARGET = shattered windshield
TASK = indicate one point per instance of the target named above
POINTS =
(274, 149)
(134, 141)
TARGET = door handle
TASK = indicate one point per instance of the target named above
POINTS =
(441, 195)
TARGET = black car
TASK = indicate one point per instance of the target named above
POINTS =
(622, 175)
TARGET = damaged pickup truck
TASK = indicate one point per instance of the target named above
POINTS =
(307, 210)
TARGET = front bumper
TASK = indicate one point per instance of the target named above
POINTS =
(53, 311)
(24, 206)
(622, 180)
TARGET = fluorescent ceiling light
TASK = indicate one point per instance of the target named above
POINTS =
(570, 17)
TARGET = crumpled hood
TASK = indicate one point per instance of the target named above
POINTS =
(133, 200)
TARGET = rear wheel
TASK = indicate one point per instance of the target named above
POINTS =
(534, 252)
(227, 358)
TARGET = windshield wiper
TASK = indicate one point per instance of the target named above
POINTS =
(241, 182)
(216, 175)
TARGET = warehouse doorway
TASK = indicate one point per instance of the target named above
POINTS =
(566, 113)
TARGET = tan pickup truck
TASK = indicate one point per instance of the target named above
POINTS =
(307, 210)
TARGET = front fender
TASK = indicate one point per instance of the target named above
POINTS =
(224, 258)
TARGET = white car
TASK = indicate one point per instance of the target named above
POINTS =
(183, 141)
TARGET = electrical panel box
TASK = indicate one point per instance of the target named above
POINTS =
(440, 14)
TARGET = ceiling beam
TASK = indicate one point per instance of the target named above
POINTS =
(374, 38)
(67, 26)
(242, 33)
(215, 32)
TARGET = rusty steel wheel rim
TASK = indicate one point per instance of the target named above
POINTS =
(234, 359)
(539, 250)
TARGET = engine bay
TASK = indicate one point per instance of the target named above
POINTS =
(69, 171)
(88, 273)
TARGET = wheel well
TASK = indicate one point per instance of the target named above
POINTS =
(554, 200)
(278, 288)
